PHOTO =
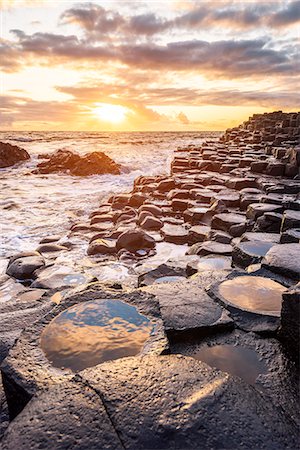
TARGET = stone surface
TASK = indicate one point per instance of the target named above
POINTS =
(210, 247)
(290, 314)
(284, 259)
(11, 155)
(224, 221)
(70, 415)
(250, 252)
(187, 310)
(177, 402)
(102, 246)
(75, 164)
(134, 240)
(24, 268)
(254, 302)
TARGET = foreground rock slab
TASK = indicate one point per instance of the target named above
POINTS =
(169, 402)
(83, 424)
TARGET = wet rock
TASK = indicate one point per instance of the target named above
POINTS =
(276, 169)
(284, 259)
(198, 233)
(151, 223)
(58, 277)
(290, 313)
(290, 236)
(262, 362)
(175, 234)
(137, 390)
(254, 301)
(164, 272)
(195, 215)
(187, 310)
(83, 425)
(241, 183)
(290, 219)
(102, 246)
(95, 163)
(219, 236)
(230, 199)
(24, 268)
(50, 247)
(256, 210)
(210, 263)
(166, 185)
(137, 199)
(259, 166)
(153, 209)
(225, 221)
(11, 155)
(270, 222)
(134, 240)
(50, 239)
(250, 252)
(262, 237)
(210, 247)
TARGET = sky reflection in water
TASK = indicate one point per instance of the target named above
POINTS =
(253, 293)
(236, 360)
(93, 332)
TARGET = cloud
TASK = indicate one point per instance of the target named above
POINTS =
(288, 15)
(183, 118)
(231, 57)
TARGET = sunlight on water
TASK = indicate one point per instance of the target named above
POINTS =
(93, 332)
(254, 293)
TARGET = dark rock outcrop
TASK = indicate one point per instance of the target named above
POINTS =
(11, 155)
(95, 163)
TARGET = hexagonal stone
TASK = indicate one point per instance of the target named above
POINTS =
(290, 236)
(290, 219)
(24, 267)
(250, 252)
(210, 247)
(254, 301)
(198, 233)
(262, 237)
(175, 234)
(208, 263)
(284, 259)
(172, 401)
(290, 313)
(186, 309)
(70, 415)
(256, 210)
(224, 221)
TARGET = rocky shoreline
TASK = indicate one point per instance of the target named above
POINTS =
(231, 208)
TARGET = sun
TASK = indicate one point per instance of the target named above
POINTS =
(110, 113)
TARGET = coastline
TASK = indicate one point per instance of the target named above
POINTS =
(231, 207)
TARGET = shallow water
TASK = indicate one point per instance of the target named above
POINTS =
(257, 294)
(93, 332)
(236, 360)
(212, 263)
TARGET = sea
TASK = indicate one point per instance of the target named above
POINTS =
(36, 206)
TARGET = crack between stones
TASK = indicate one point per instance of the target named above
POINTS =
(79, 379)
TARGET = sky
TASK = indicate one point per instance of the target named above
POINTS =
(146, 65)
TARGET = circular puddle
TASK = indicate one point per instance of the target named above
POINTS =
(169, 279)
(93, 332)
(211, 263)
(256, 294)
(236, 360)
